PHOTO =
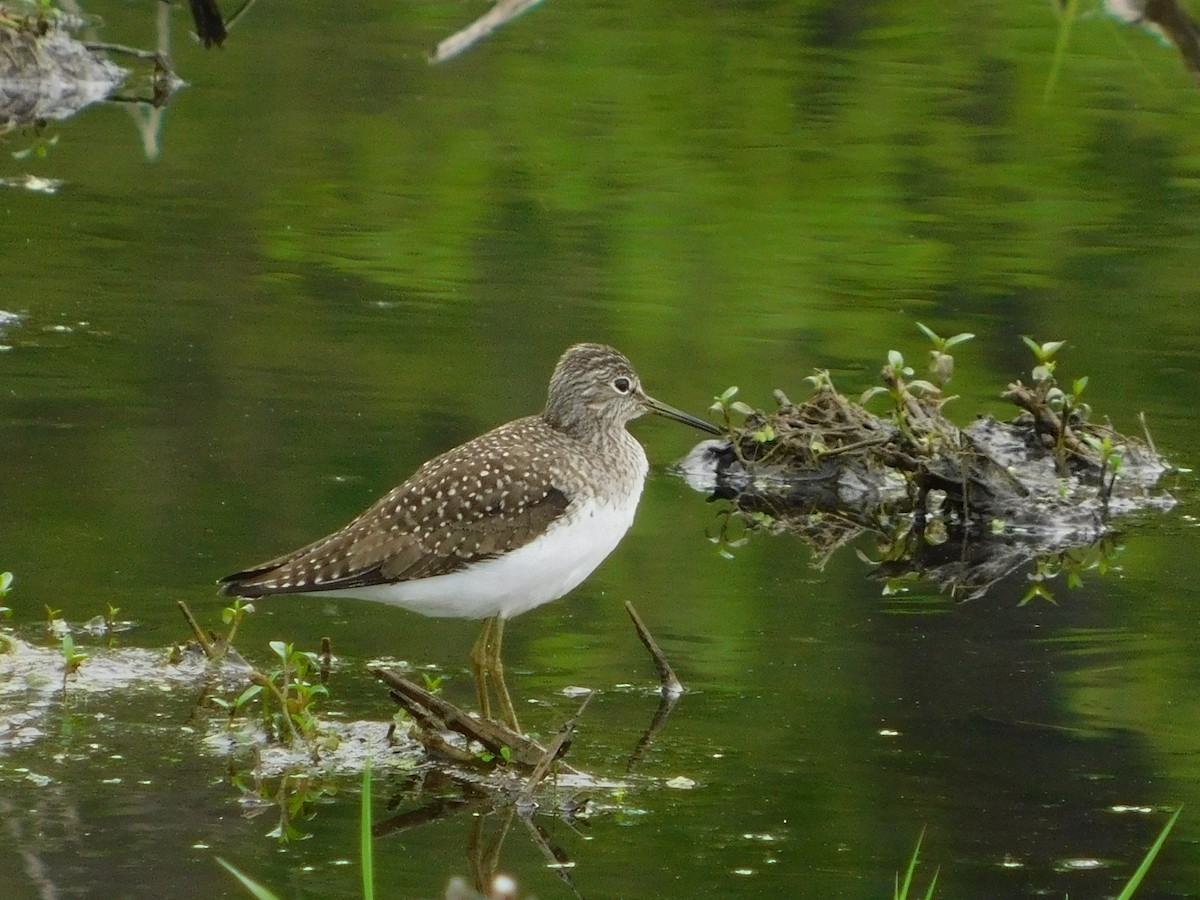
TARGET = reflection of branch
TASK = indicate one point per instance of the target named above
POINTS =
(504, 11)
(433, 811)
(147, 114)
(556, 858)
(665, 704)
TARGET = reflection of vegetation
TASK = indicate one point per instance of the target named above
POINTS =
(47, 73)
(294, 796)
(366, 848)
(1072, 564)
(40, 147)
(960, 507)
(50, 74)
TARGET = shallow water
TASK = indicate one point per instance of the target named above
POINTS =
(343, 260)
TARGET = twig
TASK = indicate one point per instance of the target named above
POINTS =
(858, 445)
(671, 685)
(555, 749)
(263, 681)
(201, 639)
(326, 658)
(433, 713)
(137, 53)
(1146, 431)
(238, 13)
(504, 11)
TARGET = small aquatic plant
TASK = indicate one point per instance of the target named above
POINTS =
(72, 659)
(901, 888)
(288, 693)
(1050, 477)
(6, 580)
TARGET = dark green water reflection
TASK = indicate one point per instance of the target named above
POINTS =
(344, 261)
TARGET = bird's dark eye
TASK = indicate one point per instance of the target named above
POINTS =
(622, 385)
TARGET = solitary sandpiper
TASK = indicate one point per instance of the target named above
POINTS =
(510, 520)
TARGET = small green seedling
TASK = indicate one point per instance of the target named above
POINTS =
(725, 404)
(1044, 353)
(896, 375)
(488, 756)
(433, 683)
(234, 707)
(233, 615)
(820, 380)
(941, 363)
(72, 658)
(295, 693)
(764, 435)
(6, 580)
(1110, 460)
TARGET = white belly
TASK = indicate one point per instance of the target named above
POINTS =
(541, 571)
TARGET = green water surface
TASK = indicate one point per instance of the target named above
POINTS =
(342, 260)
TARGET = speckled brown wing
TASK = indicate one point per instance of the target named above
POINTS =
(489, 496)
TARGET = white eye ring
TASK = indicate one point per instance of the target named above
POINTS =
(622, 385)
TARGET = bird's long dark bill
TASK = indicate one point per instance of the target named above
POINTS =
(670, 412)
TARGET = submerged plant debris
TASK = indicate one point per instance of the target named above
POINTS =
(962, 507)
(48, 74)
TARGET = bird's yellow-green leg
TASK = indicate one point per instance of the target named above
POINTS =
(479, 654)
(486, 663)
(497, 668)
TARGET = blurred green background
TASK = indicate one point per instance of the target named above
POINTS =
(341, 260)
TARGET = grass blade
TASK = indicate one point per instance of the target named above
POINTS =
(364, 837)
(250, 884)
(901, 893)
(1069, 15)
(932, 884)
(1137, 876)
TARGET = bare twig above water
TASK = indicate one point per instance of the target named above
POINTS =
(671, 685)
(197, 631)
(500, 14)
(554, 750)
